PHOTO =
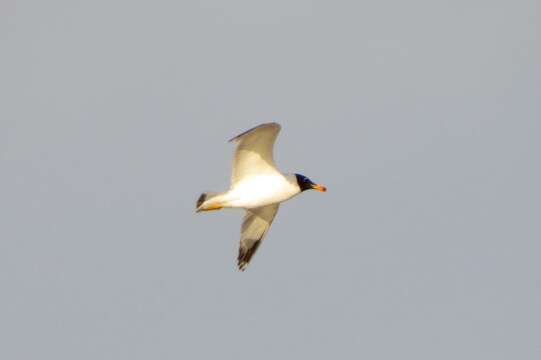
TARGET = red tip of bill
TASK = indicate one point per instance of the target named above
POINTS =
(320, 188)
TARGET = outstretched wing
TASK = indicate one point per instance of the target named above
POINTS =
(253, 155)
(255, 225)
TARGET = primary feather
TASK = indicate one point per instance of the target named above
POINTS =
(255, 225)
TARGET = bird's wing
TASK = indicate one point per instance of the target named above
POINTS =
(255, 225)
(253, 155)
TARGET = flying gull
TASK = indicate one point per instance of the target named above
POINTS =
(256, 186)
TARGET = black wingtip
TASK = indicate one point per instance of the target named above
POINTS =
(245, 255)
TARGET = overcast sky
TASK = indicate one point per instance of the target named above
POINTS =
(422, 118)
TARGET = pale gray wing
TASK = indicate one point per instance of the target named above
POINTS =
(253, 155)
(255, 225)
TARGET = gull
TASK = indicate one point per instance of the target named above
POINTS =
(256, 186)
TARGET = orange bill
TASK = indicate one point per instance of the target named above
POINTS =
(319, 187)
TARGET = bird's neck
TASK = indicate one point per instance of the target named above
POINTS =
(292, 179)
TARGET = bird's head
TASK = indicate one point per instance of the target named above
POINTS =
(307, 184)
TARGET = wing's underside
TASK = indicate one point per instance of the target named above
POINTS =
(255, 225)
(254, 152)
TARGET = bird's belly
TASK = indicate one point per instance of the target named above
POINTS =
(260, 191)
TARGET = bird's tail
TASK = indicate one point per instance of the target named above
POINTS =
(209, 201)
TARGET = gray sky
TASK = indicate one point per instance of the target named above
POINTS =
(421, 117)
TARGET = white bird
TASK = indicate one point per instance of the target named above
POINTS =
(256, 186)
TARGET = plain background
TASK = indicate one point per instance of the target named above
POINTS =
(421, 117)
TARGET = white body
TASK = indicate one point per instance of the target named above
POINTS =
(257, 191)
